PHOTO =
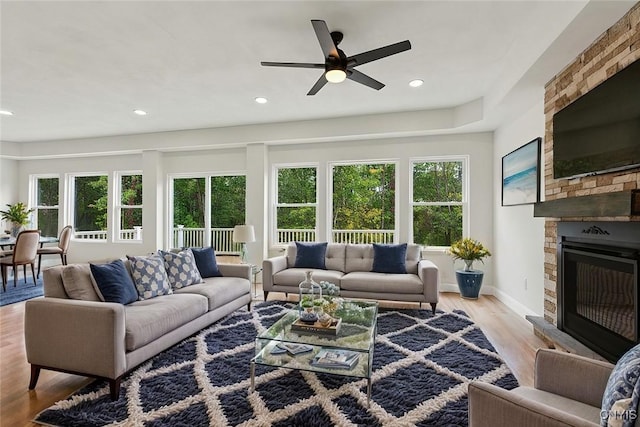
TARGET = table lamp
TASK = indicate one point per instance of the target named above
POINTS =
(243, 234)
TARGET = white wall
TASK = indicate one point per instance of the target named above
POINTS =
(8, 187)
(518, 236)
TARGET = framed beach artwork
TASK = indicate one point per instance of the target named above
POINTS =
(521, 175)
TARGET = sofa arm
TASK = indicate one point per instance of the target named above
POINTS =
(236, 270)
(491, 406)
(430, 276)
(270, 267)
(76, 336)
(572, 376)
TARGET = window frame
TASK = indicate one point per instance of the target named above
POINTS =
(70, 179)
(464, 159)
(207, 176)
(34, 190)
(396, 197)
(275, 204)
(118, 206)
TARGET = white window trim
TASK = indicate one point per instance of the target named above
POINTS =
(329, 216)
(33, 196)
(464, 159)
(118, 206)
(273, 238)
(207, 208)
(70, 203)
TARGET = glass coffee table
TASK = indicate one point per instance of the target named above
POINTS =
(357, 334)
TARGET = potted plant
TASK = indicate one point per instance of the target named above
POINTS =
(18, 215)
(469, 280)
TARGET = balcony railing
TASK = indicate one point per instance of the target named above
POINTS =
(222, 238)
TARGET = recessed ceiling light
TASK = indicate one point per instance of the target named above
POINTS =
(261, 100)
(416, 83)
(140, 112)
(6, 113)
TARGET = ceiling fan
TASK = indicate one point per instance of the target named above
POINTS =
(339, 66)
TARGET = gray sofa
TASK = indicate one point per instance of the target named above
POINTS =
(349, 266)
(105, 340)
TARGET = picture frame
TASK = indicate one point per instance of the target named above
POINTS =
(521, 174)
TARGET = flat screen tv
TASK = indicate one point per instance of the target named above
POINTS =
(600, 131)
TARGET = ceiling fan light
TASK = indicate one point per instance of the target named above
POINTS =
(335, 76)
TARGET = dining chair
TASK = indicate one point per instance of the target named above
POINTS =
(61, 249)
(24, 252)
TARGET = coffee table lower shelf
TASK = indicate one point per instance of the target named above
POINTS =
(302, 361)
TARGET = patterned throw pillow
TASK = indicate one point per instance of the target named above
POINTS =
(624, 383)
(181, 268)
(149, 276)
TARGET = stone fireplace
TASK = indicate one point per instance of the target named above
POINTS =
(602, 198)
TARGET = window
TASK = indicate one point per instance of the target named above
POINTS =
(46, 193)
(205, 210)
(296, 204)
(438, 201)
(189, 196)
(128, 207)
(364, 203)
(228, 195)
(89, 206)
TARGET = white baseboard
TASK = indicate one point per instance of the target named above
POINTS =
(507, 300)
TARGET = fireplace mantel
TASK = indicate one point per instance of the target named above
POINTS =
(620, 203)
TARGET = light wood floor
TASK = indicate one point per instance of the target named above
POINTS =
(510, 334)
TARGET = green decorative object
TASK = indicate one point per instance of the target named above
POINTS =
(469, 280)
(18, 215)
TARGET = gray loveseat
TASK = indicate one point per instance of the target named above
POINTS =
(349, 266)
(105, 340)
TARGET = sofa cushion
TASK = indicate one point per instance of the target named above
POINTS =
(114, 282)
(358, 258)
(310, 255)
(623, 383)
(293, 276)
(334, 257)
(389, 258)
(367, 281)
(76, 279)
(150, 319)
(181, 268)
(149, 276)
(219, 290)
(206, 262)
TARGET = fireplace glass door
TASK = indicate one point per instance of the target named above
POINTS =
(600, 297)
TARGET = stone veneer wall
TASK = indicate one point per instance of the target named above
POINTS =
(616, 48)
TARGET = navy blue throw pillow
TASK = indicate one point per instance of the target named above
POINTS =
(389, 258)
(206, 262)
(311, 255)
(114, 282)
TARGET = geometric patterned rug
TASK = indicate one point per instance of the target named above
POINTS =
(422, 366)
(22, 291)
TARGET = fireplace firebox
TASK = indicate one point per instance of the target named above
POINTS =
(598, 298)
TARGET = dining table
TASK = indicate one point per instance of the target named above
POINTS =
(10, 241)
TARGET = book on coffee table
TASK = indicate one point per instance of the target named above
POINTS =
(335, 359)
(291, 348)
(316, 328)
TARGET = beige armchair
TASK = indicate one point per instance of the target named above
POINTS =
(567, 391)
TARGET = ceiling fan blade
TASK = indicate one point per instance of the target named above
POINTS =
(319, 84)
(372, 55)
(362, 78)
(291, 64)
(324, 37)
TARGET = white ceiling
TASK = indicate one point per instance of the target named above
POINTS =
(78, 69)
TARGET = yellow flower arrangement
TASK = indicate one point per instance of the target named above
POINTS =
(469, 250)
